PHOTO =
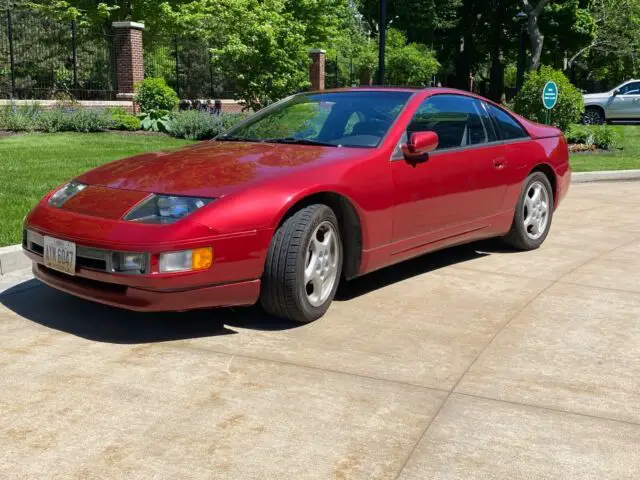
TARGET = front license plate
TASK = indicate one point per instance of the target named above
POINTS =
(60, 255)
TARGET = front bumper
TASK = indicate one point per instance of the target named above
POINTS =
(232, 280)
(132, 298)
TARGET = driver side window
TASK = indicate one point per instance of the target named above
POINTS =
(458, 120)
(631, 89)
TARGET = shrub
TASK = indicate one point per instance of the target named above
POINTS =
(59, 120)
(156, 121)
(53, 121)
(125, 122)
(528, 102)
(22, 118)
(196, 125)
(599, 136)
(155, 94)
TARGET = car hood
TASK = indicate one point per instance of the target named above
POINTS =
(597, 96)
(212, 169)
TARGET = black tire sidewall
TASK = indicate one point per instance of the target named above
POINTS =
(518, 219)
(324, 214)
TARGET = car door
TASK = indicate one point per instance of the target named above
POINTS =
(460, 185)
(627, 103)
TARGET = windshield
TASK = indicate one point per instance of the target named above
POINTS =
(349, 119)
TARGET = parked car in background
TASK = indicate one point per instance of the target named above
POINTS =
(314, 189)
(621, 103)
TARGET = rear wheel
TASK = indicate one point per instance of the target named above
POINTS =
(303, 265)
(533, 215)
(593, 116)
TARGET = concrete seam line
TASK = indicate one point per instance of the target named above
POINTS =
(493, 338)
(550, 409)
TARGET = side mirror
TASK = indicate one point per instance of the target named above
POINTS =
(616, 92)
(419, 146)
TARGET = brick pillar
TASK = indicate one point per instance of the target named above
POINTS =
(316, 69)
(129, 57)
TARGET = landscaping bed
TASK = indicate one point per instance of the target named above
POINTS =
(620, 151)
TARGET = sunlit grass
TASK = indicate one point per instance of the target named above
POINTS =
(31, 165)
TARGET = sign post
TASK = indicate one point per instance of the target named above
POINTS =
(550, 98)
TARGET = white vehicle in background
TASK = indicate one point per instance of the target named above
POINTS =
(621, 103)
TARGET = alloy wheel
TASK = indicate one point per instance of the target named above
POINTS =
(536, 210)
(321, 265)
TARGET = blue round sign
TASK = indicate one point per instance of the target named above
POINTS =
(550, 95)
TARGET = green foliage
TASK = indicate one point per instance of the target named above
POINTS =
(196, 125)
(600, 136)
(409, 64)
(156, 120)
(82, 121)
(22, 118)
(155, 94)
(529, 101)
(69, 118)
(263, 49)
(126, 122)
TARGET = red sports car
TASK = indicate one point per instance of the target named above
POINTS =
(313, 189)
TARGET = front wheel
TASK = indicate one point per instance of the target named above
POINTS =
(303, 265)
(593, 116)
(533, 215)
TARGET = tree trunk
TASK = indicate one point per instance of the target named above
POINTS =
(537, 40)
(535, 35)
(464, 60)
(496, 82)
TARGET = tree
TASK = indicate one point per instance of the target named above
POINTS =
(263, 47)
(408, 63)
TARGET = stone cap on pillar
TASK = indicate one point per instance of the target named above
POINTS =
(317, 50)
(132, 25)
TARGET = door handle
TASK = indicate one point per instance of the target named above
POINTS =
(499, 163)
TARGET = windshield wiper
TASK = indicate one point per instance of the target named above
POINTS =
(231, 138)
(300, 141)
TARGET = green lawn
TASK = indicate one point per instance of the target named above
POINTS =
(31, 165)
(625, 157)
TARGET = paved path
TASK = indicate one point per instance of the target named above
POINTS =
(470, 363)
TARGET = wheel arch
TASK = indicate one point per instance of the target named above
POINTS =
(348, 218)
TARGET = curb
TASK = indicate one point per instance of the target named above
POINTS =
(12, 258)
(606, 176)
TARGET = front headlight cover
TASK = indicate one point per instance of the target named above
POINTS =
(65, 192)
(163, 209)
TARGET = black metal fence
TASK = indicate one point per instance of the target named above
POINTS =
(187, 65)
(43, 58)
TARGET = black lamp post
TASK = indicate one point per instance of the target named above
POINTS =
(382, 31)
(521, 19)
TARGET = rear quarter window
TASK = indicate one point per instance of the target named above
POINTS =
(508, 126)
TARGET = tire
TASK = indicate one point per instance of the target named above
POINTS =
(529, 214)
(286, 291)
(593, 116)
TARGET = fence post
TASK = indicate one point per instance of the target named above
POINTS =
(129, 57)
(316, 69)
(74, 48)
(176, 45)
(11, 54)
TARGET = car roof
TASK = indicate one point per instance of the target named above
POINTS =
(374, 88)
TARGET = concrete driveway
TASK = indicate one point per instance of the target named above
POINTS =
(469, 363)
